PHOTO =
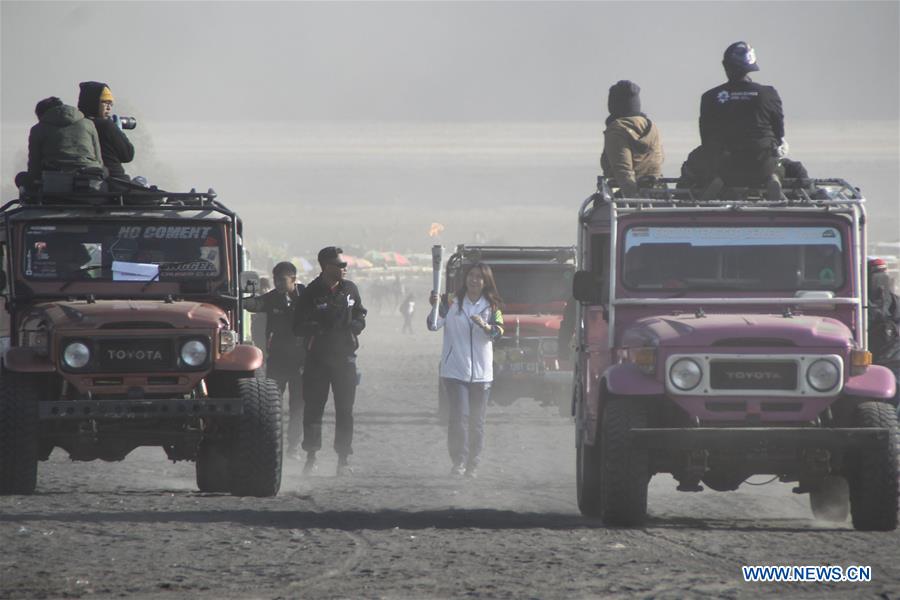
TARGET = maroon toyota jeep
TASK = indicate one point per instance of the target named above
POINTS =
(125, 320)
(723, 339)
(535, 282)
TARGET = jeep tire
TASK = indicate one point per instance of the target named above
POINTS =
(587, 476)
(829, 500)
(19, 397)
(624, 468)
(256, 449)
(873, 475)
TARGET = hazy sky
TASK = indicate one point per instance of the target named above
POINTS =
(184, 61)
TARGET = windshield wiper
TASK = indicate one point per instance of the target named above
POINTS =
(82, 270)
(150, 281)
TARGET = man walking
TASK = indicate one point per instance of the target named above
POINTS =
(330, 315)
(285, 352)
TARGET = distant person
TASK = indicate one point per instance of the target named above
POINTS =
(285, 352)
(330, 315)
(884, 319)
(408, 309)
(96, 102)
(632, 146)
(472, 320)
(62, 140)
(742, 125)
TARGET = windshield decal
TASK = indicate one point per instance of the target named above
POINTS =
(164, 232)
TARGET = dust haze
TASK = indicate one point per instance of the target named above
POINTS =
(361, 124)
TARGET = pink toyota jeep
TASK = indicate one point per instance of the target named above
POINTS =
(723, 339)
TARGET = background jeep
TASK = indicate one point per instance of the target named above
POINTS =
(727, 338)
(535, 283)
(125, 326)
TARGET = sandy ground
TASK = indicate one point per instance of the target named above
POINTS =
(400, 527)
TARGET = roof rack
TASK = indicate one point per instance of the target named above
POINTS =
(143, 199)
(797, 192)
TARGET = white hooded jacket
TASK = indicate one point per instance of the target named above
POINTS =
(468, 352)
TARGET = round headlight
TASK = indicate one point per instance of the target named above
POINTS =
(76, 355)
(685, 374)
(550, 347)
(193, 353)
(823, 375)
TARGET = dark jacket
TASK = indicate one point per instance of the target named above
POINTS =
(884, 326)
(114, 144)
(741, 117)
(330, 319)
(285, 352)
(63, 140)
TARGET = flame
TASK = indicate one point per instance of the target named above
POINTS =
(436, 229)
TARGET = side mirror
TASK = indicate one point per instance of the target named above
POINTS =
(250, 282)
(587, 287)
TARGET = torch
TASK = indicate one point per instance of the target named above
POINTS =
(437, 272)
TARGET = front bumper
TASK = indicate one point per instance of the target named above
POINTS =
(126, 409)
(759, 438)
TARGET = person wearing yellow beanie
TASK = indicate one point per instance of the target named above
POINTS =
(95, 100)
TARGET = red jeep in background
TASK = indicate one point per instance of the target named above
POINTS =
(721, 339)
(535, 283)
(125, 331)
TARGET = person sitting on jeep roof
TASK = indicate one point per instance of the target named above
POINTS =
(96, 101)
(632, 147)
(742, 123)
(62, 140)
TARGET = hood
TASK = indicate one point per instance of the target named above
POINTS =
(89, 97)
(639, 128)
(62, 116)
(738, 330)
(120, 313)
(531, 325)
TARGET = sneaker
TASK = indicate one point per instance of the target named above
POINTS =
(712, 190)
(457, 470)
(773, 189)
(310, 467)
(344, 468)
(472, 472)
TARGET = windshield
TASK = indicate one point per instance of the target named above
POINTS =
(533, 284)
(735, 258)
(122, 251)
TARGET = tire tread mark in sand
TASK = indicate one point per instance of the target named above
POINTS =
(361, 545)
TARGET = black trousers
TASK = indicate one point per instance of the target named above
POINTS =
(294, 385)
(338, 374)
(749, 167)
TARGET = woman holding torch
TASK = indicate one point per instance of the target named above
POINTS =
(471, 321)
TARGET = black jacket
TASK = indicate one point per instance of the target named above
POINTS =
(741, 116)
(285, 352)
(884, 326)
(114, 144)
(330, 319)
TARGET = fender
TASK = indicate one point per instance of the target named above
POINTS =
(876, 382)
(625, 379)
(244, 357)
(26, 360)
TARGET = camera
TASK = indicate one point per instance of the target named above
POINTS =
(125, 122)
